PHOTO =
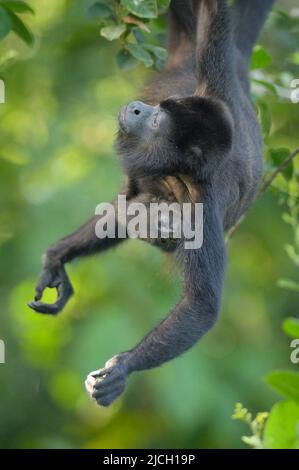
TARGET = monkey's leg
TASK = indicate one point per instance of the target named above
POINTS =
(215, 50)
(82, 242)
(181, 32)
(249, 18)
(185, 325)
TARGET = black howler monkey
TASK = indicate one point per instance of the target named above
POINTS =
(194, 137)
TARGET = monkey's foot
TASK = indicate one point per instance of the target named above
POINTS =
(105, 385)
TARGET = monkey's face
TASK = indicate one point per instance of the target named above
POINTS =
(144, 138)
(143, 122)
(168, 136)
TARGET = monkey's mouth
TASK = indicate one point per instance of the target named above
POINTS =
(122, 118)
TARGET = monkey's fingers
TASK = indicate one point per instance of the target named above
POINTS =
(106, 398)
(97, 374)
(44, 281)
(89, 383)
(105, 385)
(41, 307)
(65, 291)
(107, 379)
(92, 379)
(105, 390)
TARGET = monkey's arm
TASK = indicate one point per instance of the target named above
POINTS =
(82, 242)
(185, 325)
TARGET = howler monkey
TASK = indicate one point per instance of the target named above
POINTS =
(193, 137)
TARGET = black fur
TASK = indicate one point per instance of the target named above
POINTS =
(210, 151)
(200, 136)
(249, 18)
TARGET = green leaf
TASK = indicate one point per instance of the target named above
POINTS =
(286, 383)
(159, 52)
(18, 6)
(295, 58)
(163, 5)
(288, 171)
(278, 156)
(281, 431)
(20, 28)
(291, 326)
(269, 86)
(5, 60)
(252, 441)
(284, 15)
(288, 219)
(125, 60)
(142, 8)
(5, 23)
(159, 65)
(265, 117)
(140, 54)
(292, 254)
(260, 58)
(138, 35)
(288, 284)
(113, 32)
(100, 9)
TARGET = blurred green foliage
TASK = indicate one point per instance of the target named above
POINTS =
(56, 164)
(133, 23)
(10, 20)
(278, 429)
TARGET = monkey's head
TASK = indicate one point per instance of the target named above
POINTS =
(175, 132)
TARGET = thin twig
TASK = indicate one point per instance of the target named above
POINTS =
(232, 230)
(264, 188)
(278, 170)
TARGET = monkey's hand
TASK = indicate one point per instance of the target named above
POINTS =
(53, 277)
(105, 385)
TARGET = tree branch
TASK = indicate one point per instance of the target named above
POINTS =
(264, 188)
(278, 170)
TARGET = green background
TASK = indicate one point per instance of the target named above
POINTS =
(56, 164)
